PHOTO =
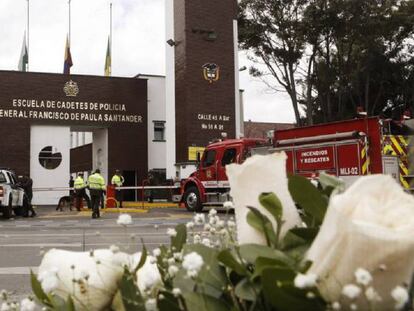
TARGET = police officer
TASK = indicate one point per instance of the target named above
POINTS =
(118, 181)
(80, 191)
(96, 184)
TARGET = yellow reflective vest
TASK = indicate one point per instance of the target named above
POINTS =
(79, 183)
(96, 182)
(117, 180)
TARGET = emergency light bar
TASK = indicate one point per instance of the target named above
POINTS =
(344, 135)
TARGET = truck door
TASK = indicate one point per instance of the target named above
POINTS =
(230, 155)
(14, 188)
(208, 168)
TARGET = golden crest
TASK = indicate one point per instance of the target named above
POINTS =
(211, 72)
(71, 88)
(208, 174)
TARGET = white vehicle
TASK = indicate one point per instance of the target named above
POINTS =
(12, 197)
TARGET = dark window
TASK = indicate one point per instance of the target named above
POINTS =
(49, 158)
(2, 178)
(229, 156)
(159, 129)
(209, 158)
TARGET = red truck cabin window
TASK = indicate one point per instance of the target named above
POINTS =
(209, 158)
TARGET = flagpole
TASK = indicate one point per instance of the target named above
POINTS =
(28, 34)
(69, 21)
(110, 34)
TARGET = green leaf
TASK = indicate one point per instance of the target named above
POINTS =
(261, 223)
(264, 263)
(308, 197)
(131, 296)
(272, 204)
(330, 181)
(142, 260)
(279, 291)
(247, 290)
(178, 241)
(38, 290)
(202, 302)
(250, 253)
(70, 306)
(227, 258)
(168, 303)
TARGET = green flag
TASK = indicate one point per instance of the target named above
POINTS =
(24, 56)
(108, 62)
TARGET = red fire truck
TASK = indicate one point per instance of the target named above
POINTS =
(346, 149)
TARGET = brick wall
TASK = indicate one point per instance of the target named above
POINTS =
(127, 141)
(200, 103)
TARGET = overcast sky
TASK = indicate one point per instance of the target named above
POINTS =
(138, 44)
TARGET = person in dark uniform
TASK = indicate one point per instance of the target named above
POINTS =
(27, 184)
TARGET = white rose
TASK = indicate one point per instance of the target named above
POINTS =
(59, 267)
(256, 175)
(370, 225)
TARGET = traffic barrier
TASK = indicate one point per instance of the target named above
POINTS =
(111, 202)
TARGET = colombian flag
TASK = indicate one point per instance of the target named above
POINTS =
(108, 61)
(68, 58)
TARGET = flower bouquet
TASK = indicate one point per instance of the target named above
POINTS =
(292, 246)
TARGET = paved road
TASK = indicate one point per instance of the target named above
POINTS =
(22, 240)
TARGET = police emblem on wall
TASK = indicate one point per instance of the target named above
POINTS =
(211, 72)
(71, 88)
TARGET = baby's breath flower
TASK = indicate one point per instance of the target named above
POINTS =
(178, 256)
(171, 261)
(124, 219)
(190, 225)
(156, 252)
(171, 232)
(176, 292)
(363, 277)
(305, 280)
(151, 305)
(27, 305)
(192, 263)
(172, 270)
(336, 306)
(114, 249)
(351, 291)
(206, 242)
(372, 295)
(199, 219)
(212, 212)
(228, 205)
(197, 239)
(400, 296)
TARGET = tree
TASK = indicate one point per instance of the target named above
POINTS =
(273, 31)
(332, 56)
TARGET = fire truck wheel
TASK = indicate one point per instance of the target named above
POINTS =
(192, 200)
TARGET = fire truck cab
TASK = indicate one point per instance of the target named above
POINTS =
(208, 185)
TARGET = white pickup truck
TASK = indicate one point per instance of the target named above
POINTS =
(12, 197)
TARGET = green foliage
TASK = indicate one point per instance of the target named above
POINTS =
(359, 53)
(131, 296)
(178, 241)
(261, 223)
(231, 277)
(308, 197)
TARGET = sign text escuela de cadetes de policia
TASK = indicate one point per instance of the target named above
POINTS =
(83, 103)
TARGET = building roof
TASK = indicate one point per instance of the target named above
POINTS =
(260, 129)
